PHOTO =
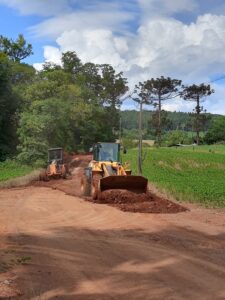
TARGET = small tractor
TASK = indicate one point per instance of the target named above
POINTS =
(105, 172)
(56, 167)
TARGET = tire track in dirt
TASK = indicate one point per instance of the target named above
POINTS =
(82, 250)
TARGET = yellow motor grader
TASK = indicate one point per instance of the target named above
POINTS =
(56, 167)
(105, 172)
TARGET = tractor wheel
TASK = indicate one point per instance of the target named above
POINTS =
(85, 186)
(43, 176)
(64, 174)
(95, 186)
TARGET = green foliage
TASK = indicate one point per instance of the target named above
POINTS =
(73, 105)
(15, 50)
(177, 121)
(70, 107)
(12, 169)
(177, 137)
(21, 73)
(14, 76)
(193, 175)
(129, 143)
(71, 62)
(161, 89)
(8, 107)
(197, 93)
(153, 123)
(217, 132)
(114, 86)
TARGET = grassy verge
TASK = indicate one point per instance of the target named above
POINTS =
(10, 169)
(193, 175)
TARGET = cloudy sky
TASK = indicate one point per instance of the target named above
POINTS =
(183, 39)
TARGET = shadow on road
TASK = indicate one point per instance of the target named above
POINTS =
(74, 263)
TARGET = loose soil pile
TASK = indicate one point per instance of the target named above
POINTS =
(142, 203)
(122, 199)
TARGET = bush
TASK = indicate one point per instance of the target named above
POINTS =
(129, 143)
(177, 137)
(217, 132)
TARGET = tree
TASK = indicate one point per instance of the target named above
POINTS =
(162, 89)
(50, 115)
(15, 50)
(8, 107)
(216, 132)
(114, 86)
(71, 62)
(21, 73)
(57, 112)
(89, 79)
(153, 123)
(177, 137)
(49, 66)
(141, 95)
(197, 93)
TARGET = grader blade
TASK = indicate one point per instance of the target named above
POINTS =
(137, 184)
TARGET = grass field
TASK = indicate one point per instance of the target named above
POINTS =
(11, 169)
(192, 174)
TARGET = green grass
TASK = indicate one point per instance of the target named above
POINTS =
(11, 169)
(193, 175)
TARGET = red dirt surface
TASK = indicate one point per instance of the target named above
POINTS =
(122, 199)
(70, 185)
(143, 203)
(85, 251)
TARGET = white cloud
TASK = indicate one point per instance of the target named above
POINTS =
(215, 103)
(52, 54)
(166, 7)
(38, 66)
(97, 46)
(162, 46)
(178, 105)
(38, 7)
(190, 52)
(113, 20)
(155, 44)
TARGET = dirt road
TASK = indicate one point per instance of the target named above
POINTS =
(58, 246)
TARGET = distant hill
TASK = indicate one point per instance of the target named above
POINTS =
(179, 120)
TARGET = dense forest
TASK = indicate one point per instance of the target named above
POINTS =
(175, 121)
(70, 105)
(74, 104)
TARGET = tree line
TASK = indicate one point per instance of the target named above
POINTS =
(71, 105)
(171, 121)
(157, 91)
(74, 104)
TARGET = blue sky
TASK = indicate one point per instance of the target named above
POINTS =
(12, 24)
(183, 39)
